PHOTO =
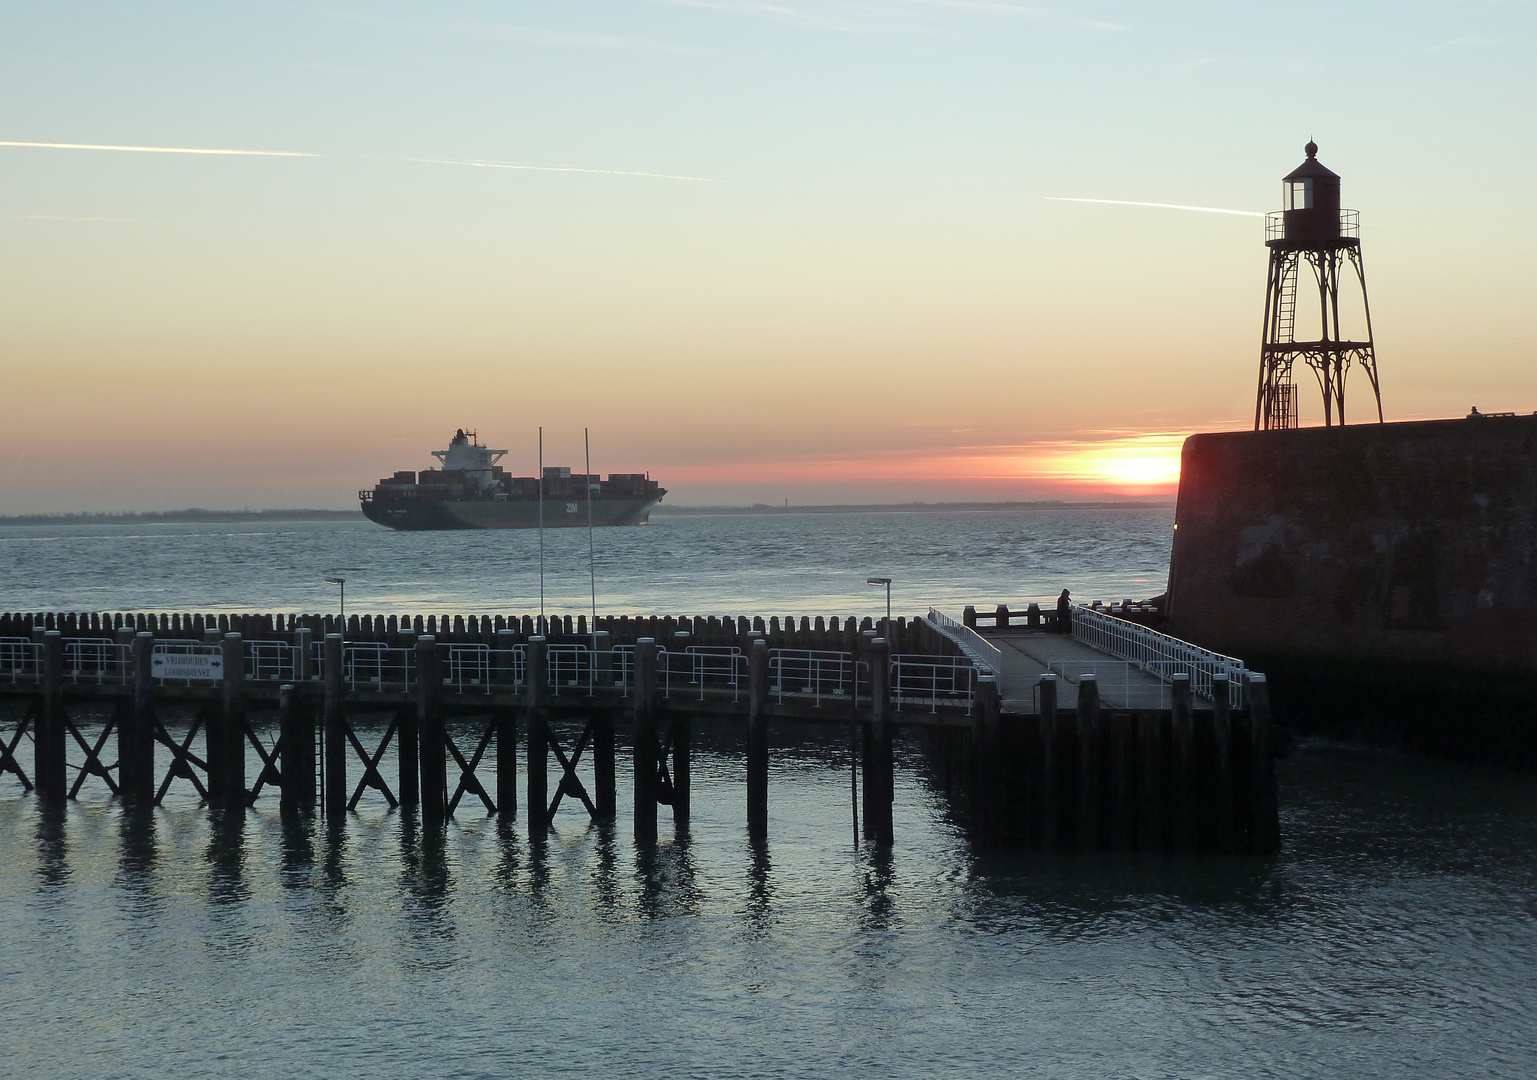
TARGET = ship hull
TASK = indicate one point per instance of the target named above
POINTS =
(418, 516)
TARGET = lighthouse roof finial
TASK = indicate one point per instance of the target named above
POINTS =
(1311, 148)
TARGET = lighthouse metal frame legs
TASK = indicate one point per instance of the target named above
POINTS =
(1330, 356)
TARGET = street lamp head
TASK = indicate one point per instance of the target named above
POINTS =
(336, 581)
(878, 581)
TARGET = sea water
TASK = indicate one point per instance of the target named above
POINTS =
(1395, 934)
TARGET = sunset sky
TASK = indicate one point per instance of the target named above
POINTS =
(815, 250)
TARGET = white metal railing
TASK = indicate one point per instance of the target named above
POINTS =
(372, 665)
(813, 672)
(21, 660)
(1160, 655)
(275, 661)
(932, 681)
(982, 653)
(95, 660)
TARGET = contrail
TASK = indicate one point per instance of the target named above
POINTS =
(303, 154)
(159, 149)
(553, 168)
(1157, 205)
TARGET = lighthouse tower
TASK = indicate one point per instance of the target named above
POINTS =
(1312, 233)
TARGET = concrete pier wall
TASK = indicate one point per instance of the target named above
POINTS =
(1384, 574)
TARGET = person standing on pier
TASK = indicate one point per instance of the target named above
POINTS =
(1064, 613)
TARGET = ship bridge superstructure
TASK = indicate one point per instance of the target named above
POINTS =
(465, 454)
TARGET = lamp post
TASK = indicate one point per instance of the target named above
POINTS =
(886, 581)
(341, 584)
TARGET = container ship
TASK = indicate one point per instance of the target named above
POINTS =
(471, 491)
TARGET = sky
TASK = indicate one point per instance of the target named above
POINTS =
(809, 250)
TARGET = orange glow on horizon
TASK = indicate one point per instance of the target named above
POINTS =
(1141, 465)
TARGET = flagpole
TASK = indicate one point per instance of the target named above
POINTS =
(541, 530)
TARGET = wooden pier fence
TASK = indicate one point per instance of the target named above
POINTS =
(280, 703)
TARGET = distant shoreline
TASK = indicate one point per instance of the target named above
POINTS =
(171, 517)
(214, 517)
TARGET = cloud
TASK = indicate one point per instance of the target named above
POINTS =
(464, 162)
(1157, 205)
(159, 149)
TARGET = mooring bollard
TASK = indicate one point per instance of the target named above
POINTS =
(1221, 816)
(506, 722)
(645, 741)
(1049, 789)
(1089, 746)
(232, 720)
(335, 725)
(537, 688)
(432, 751)
(136, 736)
(1182, 800)
(987, 795)
(1262, 793)
(49, 756)
(757, 741)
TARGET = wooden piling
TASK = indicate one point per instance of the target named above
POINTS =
(1221, 816)
(986, 753)
(432, 751)
(1182, 800)
(1090, 741)
(506, 723)
(605, 795)
(880, 768)
(296, 760)
(1123, 744)
(49, 756)
(136, 738)
(1149, 769)
(232, 720)
(1050, 765)
(757, 741)
(536, 683)
(1264, 827)
(335, 726)
(682, 729)
(645, 741)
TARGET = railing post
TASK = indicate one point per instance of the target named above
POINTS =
(1050, 832)
(536, 683)
(136, 738)
(1182, 734)
(1090, 741)
(335, 726)
(1033, 616)
(1001, 617)
(304, 664)
(505, 674)
(49, 756)
(232, 720)
(969, 616)
(645, 741)
(757, 741)
(1221, 815)
(431, 749)
(603, 658)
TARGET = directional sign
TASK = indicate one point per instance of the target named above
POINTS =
(208, 666)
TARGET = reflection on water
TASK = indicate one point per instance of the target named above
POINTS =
(1395, 935)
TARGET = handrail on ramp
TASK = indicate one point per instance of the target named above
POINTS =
(982, 653)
